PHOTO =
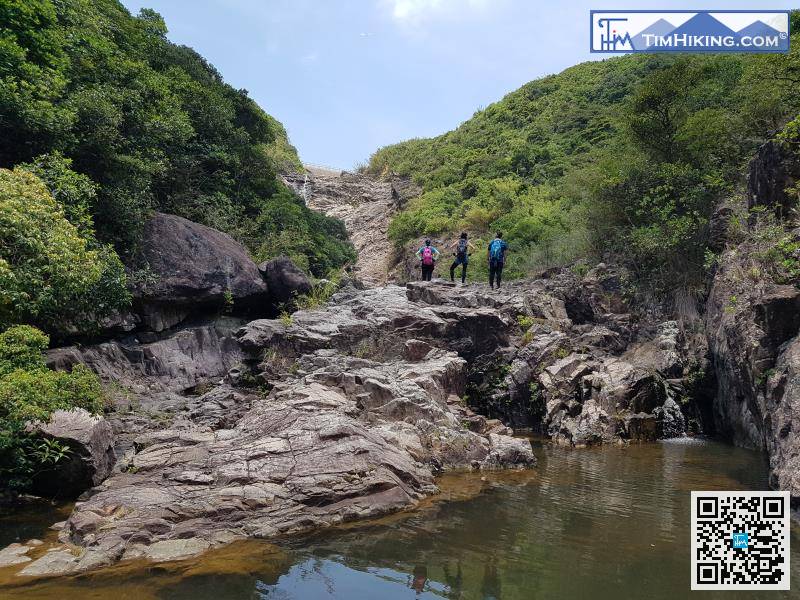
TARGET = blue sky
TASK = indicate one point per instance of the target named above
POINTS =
(349, 76)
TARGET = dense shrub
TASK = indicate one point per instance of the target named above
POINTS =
(30, 392)
(50, 275)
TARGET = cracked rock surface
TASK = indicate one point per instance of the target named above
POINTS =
(364, 409)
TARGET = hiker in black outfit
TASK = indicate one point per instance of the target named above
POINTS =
(462, 252)
(496, 254)
(428, 255)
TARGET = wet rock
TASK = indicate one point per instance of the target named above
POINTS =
(284, 279)
(194, 268)
(671, 420)
(14, 554)
(91, 453)
(176, 549)
(54, 562)
(641, 427)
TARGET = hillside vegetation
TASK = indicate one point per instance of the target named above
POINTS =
(626, 157)
(118, 121)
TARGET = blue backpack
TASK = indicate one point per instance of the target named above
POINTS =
(496, 249)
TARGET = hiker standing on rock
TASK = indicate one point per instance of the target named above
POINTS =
(428, 255)
(461, 250)
(496, 254)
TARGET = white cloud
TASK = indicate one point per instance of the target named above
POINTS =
(415, 11)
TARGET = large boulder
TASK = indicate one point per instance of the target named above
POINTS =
(284, 279)
(90, 458)
(190, 269)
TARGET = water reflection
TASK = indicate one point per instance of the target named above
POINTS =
(604, 523)
(599, 523)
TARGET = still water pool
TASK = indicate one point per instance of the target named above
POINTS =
(597, 523)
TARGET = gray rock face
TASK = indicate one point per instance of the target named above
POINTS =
(153, 371)
(376, 323)
(753, 331)
(340, 438)
(365, 405)
(284, 279)
(745, 340)
(194, 267)
(582, 372)
(772, 171)
(782, 404)
(754, 343)
(159, 381)
(91, 457)
(364, 409)
(365, 205)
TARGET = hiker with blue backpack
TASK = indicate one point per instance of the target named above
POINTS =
(428, 255)
(461, 250)
(496, 253)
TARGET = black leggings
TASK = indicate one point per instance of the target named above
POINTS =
(427, 272)
(495, 271)
(455, 264)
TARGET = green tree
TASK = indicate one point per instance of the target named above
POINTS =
(49, 274)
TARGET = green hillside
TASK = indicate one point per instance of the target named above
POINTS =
(88, 89)
(625, 156)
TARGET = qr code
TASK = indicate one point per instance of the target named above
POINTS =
(740, 540)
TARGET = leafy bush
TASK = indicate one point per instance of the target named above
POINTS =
(49, 274)
(321, 293)
(29, 392)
